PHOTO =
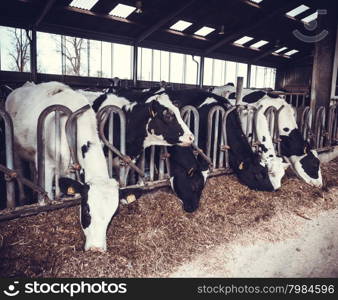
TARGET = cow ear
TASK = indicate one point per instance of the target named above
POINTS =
(70, 186)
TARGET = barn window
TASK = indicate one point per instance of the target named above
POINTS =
(204, 31)
(180, 25)
(83, 4)
(262, 77)
(14, 50)
(219, 72)
(297, 11)
(122, 10)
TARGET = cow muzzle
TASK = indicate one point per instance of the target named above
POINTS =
(186, 140)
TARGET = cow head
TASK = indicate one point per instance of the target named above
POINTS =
(276, 170)
(307, 167)
(188, 176)
(99, 201)
(165, 125)
(252, 173)
(304, 161)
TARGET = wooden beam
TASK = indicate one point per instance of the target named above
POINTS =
(162, 22)
(44, 12)
(270, 15)
(266, 53)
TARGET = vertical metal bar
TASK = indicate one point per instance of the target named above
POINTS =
(10, 194)
(161, 164)
(111, 141)
(57, 152)
(122, 117)
(33, 57)
(214, 157)
(152, 163)
(88, 57)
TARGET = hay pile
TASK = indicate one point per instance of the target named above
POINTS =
(153, 235)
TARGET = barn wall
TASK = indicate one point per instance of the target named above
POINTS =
(295, 78)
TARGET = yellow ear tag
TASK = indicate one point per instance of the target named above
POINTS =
(241, 166)
(131, 198)
(70, 191)
(152, 113)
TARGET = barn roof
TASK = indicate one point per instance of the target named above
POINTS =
(261, 20)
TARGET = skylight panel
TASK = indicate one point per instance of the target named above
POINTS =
(122, 11)
(83, 4)
(180, 25)
(297, 11)
(280, 50)
(259, 44)
(292, 52)
(243, 40)
(204, 31)
(310, 18)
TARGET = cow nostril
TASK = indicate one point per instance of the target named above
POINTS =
(191, 138)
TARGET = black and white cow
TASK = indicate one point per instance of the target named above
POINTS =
(294, 148)
(99, 193)
(188, 173)
(245, 163)
(151, 119)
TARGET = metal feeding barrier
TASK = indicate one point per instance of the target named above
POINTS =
(153, 168)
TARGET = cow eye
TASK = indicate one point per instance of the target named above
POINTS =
(168, 115)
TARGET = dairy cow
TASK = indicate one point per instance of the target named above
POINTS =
(99, 192)
(151, 119)
(188, 173)
(304, 160)
(247, 165)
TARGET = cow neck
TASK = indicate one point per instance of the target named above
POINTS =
(90, 154)
(137, 120)
(240, 149)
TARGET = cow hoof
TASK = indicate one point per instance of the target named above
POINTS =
(96, 249)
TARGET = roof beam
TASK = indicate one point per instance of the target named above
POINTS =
(44, 12)
(250, 27)
(266, 53)
(162, 22)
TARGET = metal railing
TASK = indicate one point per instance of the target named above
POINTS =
(154, 168)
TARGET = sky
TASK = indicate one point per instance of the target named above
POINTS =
(116, 61)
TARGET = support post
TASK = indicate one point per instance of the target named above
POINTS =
(323, 63)
(248, 76)
(135, 67)
(239, 89)
(201, 72)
